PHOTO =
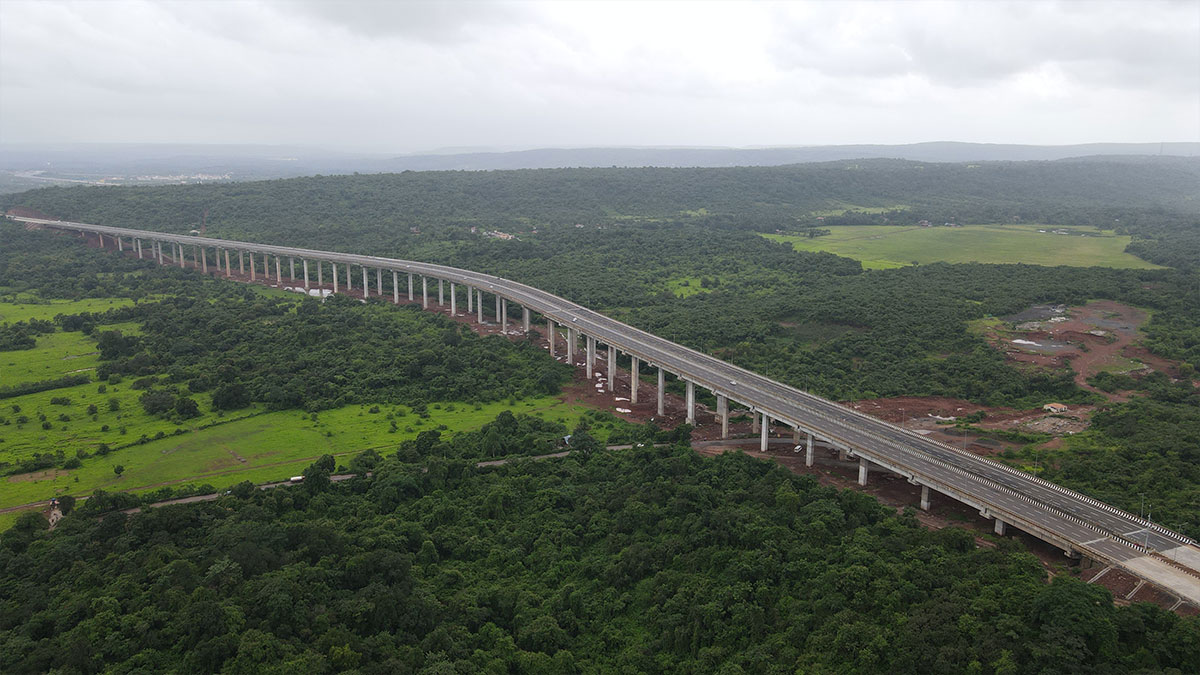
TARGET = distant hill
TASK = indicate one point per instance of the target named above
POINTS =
(32, 165)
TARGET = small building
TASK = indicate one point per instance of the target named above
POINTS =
(1055, 408)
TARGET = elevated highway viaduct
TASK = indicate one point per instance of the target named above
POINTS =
(1076, 523)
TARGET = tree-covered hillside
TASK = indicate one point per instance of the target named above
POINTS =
(654, 560)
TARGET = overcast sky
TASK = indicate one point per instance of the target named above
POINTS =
(416, 76)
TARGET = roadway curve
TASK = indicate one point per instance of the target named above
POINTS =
(1074, 522)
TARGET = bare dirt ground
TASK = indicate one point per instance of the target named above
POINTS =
(38, 475)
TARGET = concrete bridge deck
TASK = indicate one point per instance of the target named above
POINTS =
(1078, 524)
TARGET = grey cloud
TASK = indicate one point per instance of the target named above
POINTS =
(424, 20)
(1124, 45)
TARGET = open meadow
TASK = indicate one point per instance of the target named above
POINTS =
(886, 247)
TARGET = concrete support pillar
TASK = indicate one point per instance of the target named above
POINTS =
(470, 301)
(754, 425)
(179, 256)
(320, 276)
(304, 264)
(572, 339)
(137, 243)
(410, 288)
(612, 367)
(253, 276)
(924, 497)
(590, 357)
(479, 305)
(441, 293)
(635, 365)
(762, 436)
(453, 300)
(662, 393)
(158, 248)
(723, 413)
(366, 284)
(550, 335)
(349, 279)
(291, 268)
(333, 266)
(395, 287)
(278, 272)
(195, 256)
(379, 282)
(101, 236)
(808, 451)
(524, 318)
(691, 403)
(842, 454)
(503, 315)
(497, 308)
(1001, 527)
(425, 291)
(227, 272)
(242, 262)
(203, 262)
(120, 246)
(862, 470)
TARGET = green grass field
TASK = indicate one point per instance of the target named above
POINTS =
(683, 287)
(885, 247)
(260, 448)
(11, 312)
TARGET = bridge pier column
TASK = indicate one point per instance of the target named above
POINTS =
(453, 300)
(635, 364)
(1001, 527)
(227, 272)
(410, 288)
(291, 268)
(242, 263)
(349, 279)
(503, 315)
(764, 430)
(120, 246)
(924, 497)
(395, 287)
(842, 454)
(754, 425)
(661, 392)
(524, 317)
(278, 273)
(612, 368)
(203, 260)
(425, 291)
(808, 451)
(441, 292)
(590, 357)
(691, 403)
(497, 308)
(158, 249)
(137, 243)
(253, 274)
(470, 301)
(179, 257)
(304, 264)
(195, 256)
(379, 282)
(572, 342)
(321, 277)
(862, 470)
(723, 413)
(550, 335)
(366, 284)
(101, 236)
(479, 304)
(335, 277)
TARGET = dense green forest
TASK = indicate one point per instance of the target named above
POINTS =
(653, 560)
(1154, 198)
